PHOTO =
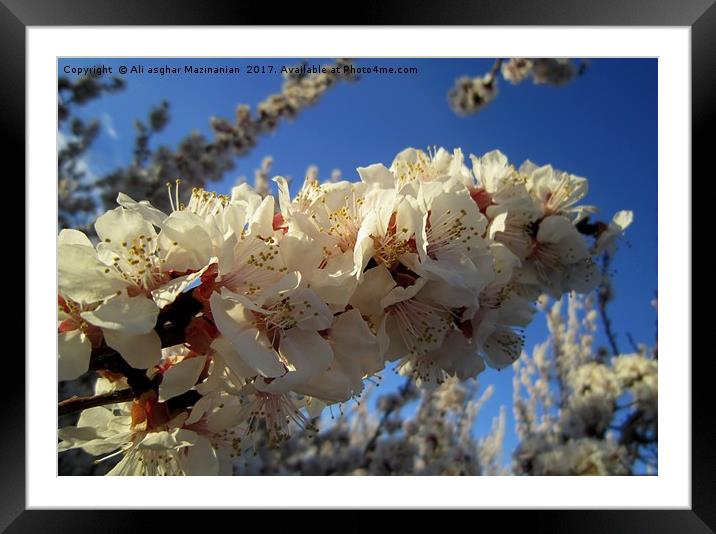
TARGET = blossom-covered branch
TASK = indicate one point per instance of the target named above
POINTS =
(75, 199)
(199, 160)
(470, 95)
(233, 316)
(196, 159)
(434, 438)
(602, 418)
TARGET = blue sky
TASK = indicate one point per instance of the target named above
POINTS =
(603, 126)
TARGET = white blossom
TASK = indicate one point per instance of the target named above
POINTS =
(472, 94)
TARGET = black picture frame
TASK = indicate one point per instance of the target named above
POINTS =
(699, 15)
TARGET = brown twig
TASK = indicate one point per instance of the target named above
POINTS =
(76, 404)
(370, 446)
(495, 68)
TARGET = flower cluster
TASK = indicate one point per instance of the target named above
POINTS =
(471, 94)
(550, 71)
(237, 313)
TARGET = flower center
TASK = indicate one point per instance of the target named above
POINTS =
(258, 266)
(422, 326)
(448, 232)
(139, 262)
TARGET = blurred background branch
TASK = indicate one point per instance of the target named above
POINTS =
(196, 160)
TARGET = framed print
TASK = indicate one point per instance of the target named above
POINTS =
(448, 256)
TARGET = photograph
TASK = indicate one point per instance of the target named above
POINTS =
(357, 266)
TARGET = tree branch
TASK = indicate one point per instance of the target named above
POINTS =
(370, 446)
(171, 329)
(495, 68)
(77, 404)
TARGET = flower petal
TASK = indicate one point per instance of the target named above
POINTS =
(144, 208)
(162, 440)
(376, 283)
(187, 239)
(167, 293)
(141, 351)
(122, 225)
(180, 377)
(377, 174)
(200, 459)
(503, 347)
(235, 320)
(131, 315)
(82, 277)
(69, 236)
(352, 340)
(308, 355)
(583, 276)
(199, 409)
(74, 350)
(231, 358)
(261, 223)
(311, 312)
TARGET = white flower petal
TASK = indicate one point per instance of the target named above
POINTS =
(235, 321)
(336, 283)
(232, 359)
(98, 418)
(175, 439)
(376, 284)
(82, 277)
(352, 340)
(308, 355)
(377, 174)
(309, 310)
(284, 196)
(261, 223)
(283, 286)
(337, 384)
(622, 219)
(246, 195)
(583, 276)
(199, 409)
(74, 350)
(194, 247)
(233, 219)
(554, 229)
(69, 236)
(180, 377)
(104, 444)
(141, 351)
(130, 315)
(503, 347)
(167, 293)
(399, 293)
(76, 437)
(144, 208)
(121, 225)
(365, 247)
(200, 459)
(256, 352)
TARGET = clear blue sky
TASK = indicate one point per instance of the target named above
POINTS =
(602, 126)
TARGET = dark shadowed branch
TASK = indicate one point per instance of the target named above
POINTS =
(171, 329)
